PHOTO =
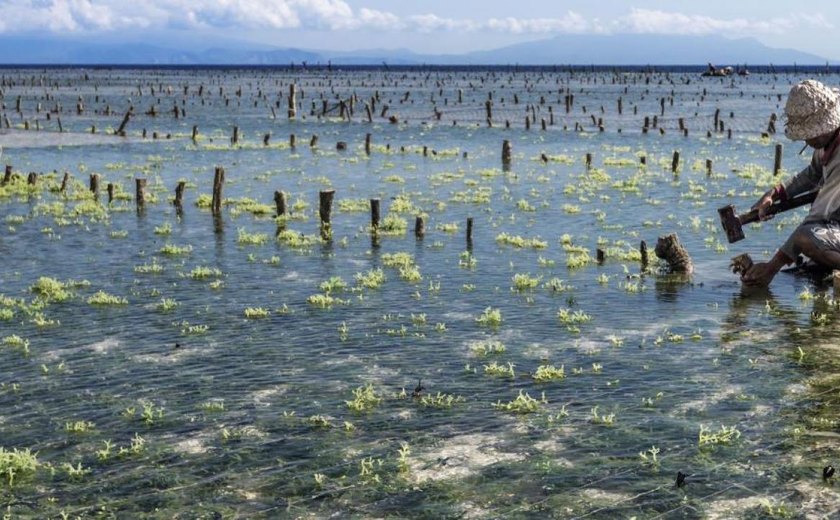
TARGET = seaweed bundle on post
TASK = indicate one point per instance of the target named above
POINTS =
(668, 248)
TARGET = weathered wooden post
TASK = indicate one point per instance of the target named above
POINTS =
(419, 228)
(600, 256)
(292, 103)
(292, 140)
(708, 167)
(7, 177)
(94, 185)
(280, 203)
(110, 189)
(266, 138)
(325, 199)
(194, 133)
(140, 192)
(235, 138)
(64, 180)
(179, 194)
(671, 250)
(777, 160)
(313, 142)
(32, 179)
(469, 231)
(121, 129)
(488, 108)
(675, 161)
(374, 214)
(218, 182)
(643, 250)
(367, 144)
(507, 153)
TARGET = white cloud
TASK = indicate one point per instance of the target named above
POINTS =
(79, 16)
(647, 21)
(571, 23)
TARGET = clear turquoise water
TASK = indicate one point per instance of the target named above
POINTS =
(673, 356)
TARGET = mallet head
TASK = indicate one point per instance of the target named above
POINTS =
(731, 223)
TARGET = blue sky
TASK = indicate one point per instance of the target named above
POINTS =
(430, 26)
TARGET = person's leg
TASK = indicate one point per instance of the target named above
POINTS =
(820, 243)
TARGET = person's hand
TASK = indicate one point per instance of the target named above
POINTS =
(763, 205)
(760, 274)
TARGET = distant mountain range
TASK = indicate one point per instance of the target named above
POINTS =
(618, 49)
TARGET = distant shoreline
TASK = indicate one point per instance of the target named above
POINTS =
(559, 68)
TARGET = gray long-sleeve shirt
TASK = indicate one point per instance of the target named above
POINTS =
(827, 204)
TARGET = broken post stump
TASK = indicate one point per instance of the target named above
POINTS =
(668, 248)
(708, 167)
(7, 177)
(777, 160)
(419, 227)
(469, 231)
(741, 264)
(643, 251)
(110, 189)
(280, 203)
(507, 153)
(367, 144)
(675, 161)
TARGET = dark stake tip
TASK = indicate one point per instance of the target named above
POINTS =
(418, 389)
(828, 472)
(680, 479)
(177, 345)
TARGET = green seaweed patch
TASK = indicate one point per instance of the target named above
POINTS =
(523, 404)
(103, 298)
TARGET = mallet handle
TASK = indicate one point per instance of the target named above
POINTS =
(780, 206)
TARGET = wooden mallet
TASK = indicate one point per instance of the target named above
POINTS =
(733, 223)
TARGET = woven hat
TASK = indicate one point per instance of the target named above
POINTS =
(812, 109)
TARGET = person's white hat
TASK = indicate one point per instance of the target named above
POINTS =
(812, 109)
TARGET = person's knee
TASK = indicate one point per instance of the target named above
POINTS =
(805, 242)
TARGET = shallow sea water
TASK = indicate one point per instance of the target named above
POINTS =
(250, 418)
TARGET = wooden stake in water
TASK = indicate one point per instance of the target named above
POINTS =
(292, 108)
(675, 161)
(325, 200)
(218, 182)
(469, 231)
(708, 167)
(179, 194)
(419, 228)
(280, 203)
(7, 178)
(94, 185)
(507, 153)
(110, 189)
(777, 160)
(140, 192)
(374, 214)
